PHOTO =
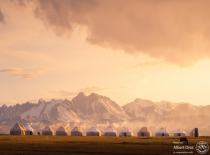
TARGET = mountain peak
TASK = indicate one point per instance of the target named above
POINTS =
(41, 100)
(94, 108)
(141, 102)
(97, 96)
(97, 107)
(81, 94)
(94, 94)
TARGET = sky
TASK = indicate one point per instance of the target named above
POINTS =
(156, 49)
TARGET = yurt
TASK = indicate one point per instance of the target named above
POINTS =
(93, 132)
(162, 133)
(143, 132)
(194, 132)
(125, 133)
(61, 131)
(47, 131)
(110, 132)
(179, 133)
(29, 129)
(17, 129)
(76, 131)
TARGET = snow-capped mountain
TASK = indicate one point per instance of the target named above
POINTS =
(51, 111)
(141, 109)
(171, 115)
(93, 108)
(96, 109)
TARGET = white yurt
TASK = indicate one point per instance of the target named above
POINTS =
(61, 131)
(162, 132)
(179, 133)
(47, 131)
(17, 129)
(76, 131)
(144, 132)
(125, 133)
(93, 132)
(29, 129)
(110, 132)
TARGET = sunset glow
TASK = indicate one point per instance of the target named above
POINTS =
(56, 55)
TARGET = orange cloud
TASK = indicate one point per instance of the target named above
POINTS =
(1, 16)
(22, 73)
(176, 31)
(87, 90)
(92, 89)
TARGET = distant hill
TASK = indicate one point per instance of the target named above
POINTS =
(171, 115)
(95, 110)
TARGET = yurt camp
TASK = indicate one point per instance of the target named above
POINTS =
(76, 131)
(93, 132)
(144, 132)
(125, 132)
(47, 131)
(29, 129)
(61, 131)
(179, 133)
(162, 132)
(110, 132)
(17, 129)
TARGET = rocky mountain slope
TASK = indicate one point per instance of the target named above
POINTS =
(96, 109)
(171, 115)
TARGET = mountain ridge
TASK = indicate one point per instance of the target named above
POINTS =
(94, 109)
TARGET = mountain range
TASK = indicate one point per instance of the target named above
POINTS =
(97, 110)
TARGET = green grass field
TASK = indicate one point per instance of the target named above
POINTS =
(58, 145)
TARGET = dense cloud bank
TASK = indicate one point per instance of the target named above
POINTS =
(1, 16)
(176, 31)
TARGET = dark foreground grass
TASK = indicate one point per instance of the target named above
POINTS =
(58, 145)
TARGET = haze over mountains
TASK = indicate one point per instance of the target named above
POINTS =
(97, 110)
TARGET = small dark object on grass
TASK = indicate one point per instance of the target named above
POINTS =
(184, 140)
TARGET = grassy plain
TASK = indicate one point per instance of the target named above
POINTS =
(67, 145)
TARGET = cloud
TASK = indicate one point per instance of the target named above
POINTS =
(63, 15)
(1, 16)
(23, 73)
(92, 89)
(176, 31)
(86, 90)
(63, 93)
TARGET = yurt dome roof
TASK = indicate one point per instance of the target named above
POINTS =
(143, 129)
(109, 129)
(125, 130)
(47, 128)
(61, 128)
(28, 127)
(162, 130)
(17, 127)
(179, 131)
(76, 129)
(93, 129)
